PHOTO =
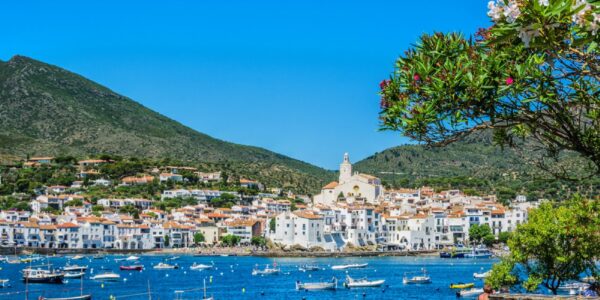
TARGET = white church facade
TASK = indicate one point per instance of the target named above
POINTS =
(351, 187)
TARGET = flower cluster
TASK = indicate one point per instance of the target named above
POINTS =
(510, 11)
(497, 9)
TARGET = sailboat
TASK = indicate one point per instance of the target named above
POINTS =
(80, 297)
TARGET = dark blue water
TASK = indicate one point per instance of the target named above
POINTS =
(232, 279)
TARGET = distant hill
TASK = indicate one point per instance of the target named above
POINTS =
(473, 164)
(46, 110)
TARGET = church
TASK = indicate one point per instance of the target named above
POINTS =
(350, 187)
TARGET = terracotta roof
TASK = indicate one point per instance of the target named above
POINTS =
(47, 227)
(307, 215)
(67, 225)
(245, 223)
(330, 185)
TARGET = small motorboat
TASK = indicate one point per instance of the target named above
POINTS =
(481, 275)
(172, 258)
(163, 266)
(131, 268)
(107, 277)
(307, 268)
(361, 283)
(98, 256)
(573, 286)
(196, 266)
(82, 297)
(417, 279)
(461, 285)
(349, 266)
(4, 283)
(74, 268)
(42, 276)
(77, 257)
(132, 258)
(266, 271)
(479, 252)
(74, 274)
(317, 286)
(469, 293)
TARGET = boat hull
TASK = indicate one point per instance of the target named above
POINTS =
(82, 297)
(49, 279)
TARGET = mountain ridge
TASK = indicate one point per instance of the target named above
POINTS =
(47, 110)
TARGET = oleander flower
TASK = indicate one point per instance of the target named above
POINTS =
(512, 11)
(494, 11)
(416, 77)
(509, 81)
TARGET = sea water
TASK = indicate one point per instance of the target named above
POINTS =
(231, 278)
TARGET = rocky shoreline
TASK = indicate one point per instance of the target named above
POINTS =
(216, 251)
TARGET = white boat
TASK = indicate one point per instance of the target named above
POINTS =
(573, 286)
(107, 277)
(38, 275)
(74, 268)
(77, 257)
(349, 266)
(363, 282)
(479, 252)
(74, 274)
(417, 279)
(482, 275)
(469, 292)
(317, 286)
(172, 258)
(4, 283)
(163, 266)
(196, 266)
(307, 268)
(266, 271)
(82, 297)
(132, 258)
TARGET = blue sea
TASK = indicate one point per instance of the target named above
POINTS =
(231, 278)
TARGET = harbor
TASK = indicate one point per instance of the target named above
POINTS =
(231, 277)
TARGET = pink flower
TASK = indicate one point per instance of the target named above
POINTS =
(509, 81)
(416, 77)
(384, 83)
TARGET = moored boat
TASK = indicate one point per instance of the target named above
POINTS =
(266, 271)
(363, 282)
(132, 268)
(107, 277)
(164, 266)
(317, 286)
(196, 266)
(481, 275)
(417, 279)
(4, 283)
(479, 252)
(349, 266)
(307, 268)
(77, 257)
(132, 258)
(74, 274)
(42, 276)
(82, 297)
(74, 268)
(469, 293)
(461, 285)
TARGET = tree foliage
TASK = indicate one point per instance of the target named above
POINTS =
(533, 75)
(558, 243)
(481, 234)
(230, 240)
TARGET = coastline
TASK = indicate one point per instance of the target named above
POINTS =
(216, 251)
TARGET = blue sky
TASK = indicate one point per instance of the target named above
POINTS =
(299, 78)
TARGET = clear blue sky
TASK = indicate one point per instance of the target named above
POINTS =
(297, 78)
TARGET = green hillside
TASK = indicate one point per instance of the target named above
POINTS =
(46, 110)
(473, 164)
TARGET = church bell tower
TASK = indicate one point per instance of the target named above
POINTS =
(345, 169)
